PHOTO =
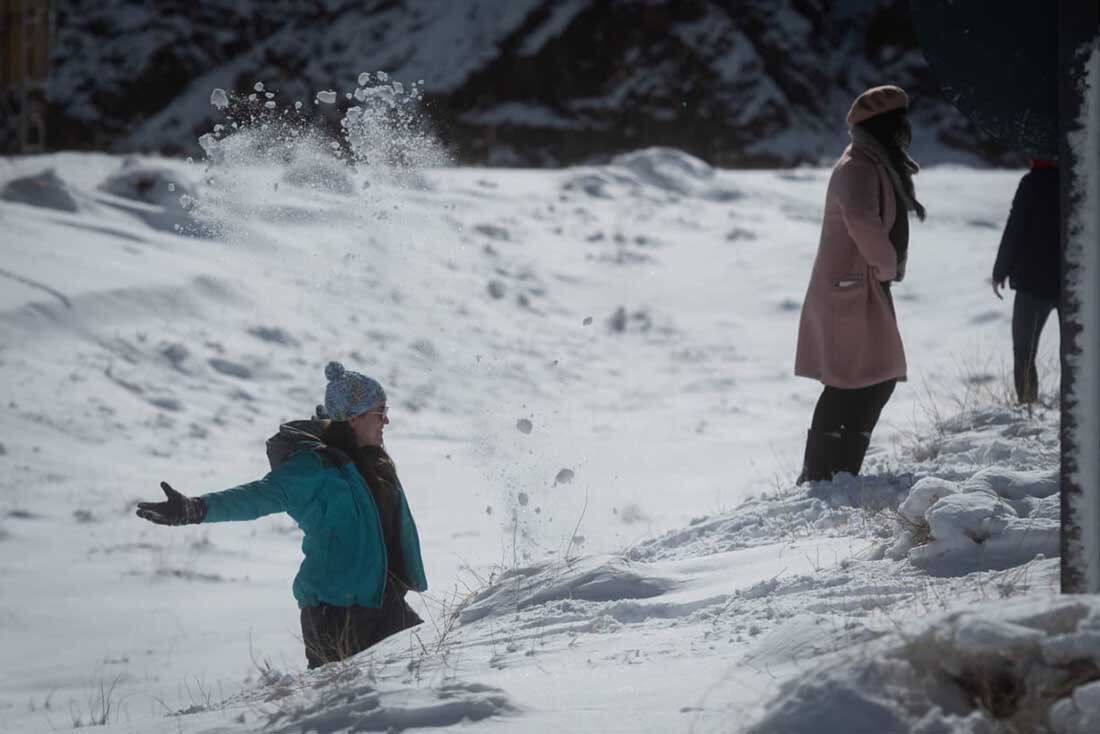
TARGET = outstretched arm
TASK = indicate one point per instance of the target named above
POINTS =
(290, 487)
(246, 501)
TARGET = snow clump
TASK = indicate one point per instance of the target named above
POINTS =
(1020, 665)
(565, 476)
(219, 99)
(996, 519)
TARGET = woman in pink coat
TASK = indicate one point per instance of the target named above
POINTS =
(848, 336)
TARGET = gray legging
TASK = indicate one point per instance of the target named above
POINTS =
(855, 410)
(1029, 315)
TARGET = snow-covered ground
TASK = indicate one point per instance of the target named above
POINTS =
(594, 416)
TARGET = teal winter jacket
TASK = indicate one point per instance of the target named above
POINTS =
(345, 555)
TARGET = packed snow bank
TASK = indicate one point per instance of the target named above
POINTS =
(172, 358)
(345, 698)
(993, 518)
(653, 173)
(596, 579)
(996, 519)
(1021, 665)
(45, 189)
(167, 194)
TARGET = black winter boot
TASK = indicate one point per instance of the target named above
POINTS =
(852, 448)
(821, 454)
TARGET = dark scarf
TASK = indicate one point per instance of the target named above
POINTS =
(902, 179)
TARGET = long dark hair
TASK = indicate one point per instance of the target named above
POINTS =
(373, 463)
(378, 471)
(885, 128)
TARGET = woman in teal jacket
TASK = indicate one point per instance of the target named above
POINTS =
(333, 476)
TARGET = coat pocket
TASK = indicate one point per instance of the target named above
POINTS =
(846, 283)
(847, 296)
(848, 307)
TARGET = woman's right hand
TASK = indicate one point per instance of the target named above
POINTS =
(177, 510)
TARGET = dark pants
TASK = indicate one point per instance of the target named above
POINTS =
(333, 633)
(852, 410)
(1029, 315)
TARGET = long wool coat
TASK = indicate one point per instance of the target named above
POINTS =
(848, 334)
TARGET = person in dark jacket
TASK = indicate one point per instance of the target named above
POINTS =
(848, 336)
(361, 547)
(1029, 258)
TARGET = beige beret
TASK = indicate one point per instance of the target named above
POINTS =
(875, 101)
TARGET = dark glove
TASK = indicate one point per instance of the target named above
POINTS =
(178, 510)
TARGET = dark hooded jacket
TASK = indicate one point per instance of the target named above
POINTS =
(1030, 253)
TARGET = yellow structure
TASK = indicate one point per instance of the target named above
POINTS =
(25, 30)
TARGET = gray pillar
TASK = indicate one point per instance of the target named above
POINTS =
(1079, 110)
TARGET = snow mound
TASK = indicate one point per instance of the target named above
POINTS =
(839, 508)
(596, 579)
(358, 705)
(653, 175)
(996, 519)
(160, 188)
(1022, 665)
(667, 170)
(43, 189)
(1005, 437)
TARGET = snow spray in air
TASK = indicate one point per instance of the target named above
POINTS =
(271, 160)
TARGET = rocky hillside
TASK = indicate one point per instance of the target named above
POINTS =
(510, 82)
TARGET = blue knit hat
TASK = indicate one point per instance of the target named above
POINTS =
(349, 393)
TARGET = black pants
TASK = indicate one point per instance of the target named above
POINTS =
(333, 633)
(853, 410)
(1029, 315)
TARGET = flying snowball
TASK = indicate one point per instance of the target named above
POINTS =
(328, 96)
(524, 425)
(219, 99)
(565, 476)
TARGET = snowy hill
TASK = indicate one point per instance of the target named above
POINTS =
(513, 82)
(594, 416)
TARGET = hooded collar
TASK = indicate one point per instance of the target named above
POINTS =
(868, 144)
